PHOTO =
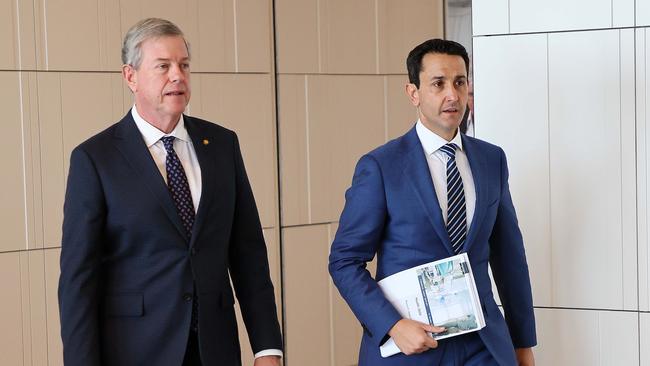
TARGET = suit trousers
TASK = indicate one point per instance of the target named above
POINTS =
(465, 350)
(192, 354)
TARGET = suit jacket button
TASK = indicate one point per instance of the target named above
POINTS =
(187, 297)
(193, 251)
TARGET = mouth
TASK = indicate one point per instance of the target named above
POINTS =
(174, 93)
(450, 110)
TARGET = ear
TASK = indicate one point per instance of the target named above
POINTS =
(130, 76)
(413, 94)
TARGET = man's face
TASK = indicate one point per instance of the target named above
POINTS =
(161, 85)
(442, 96)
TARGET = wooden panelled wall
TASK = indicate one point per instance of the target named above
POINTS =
(309, 85)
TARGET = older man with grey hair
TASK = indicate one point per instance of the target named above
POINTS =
(159, 220)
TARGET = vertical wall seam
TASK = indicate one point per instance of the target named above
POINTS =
(307, 149)
(550, 181)
(318, 37)
(330, 291)
(24, 165)
(622, 163)
(385, 108)
(377, 36)
(47, 54)
(18, 36)
(234, 12)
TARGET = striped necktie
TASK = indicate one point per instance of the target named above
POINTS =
(456, 215)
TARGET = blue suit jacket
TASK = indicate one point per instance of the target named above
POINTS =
(128, 267)
(392, 211)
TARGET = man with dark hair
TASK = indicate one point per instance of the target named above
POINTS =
(431, 194)
(159, 218)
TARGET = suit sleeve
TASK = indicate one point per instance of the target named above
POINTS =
(357, 241)
(510, 270)
(249, 266)
(83, 223)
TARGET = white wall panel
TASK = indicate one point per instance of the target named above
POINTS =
(642, 13)
(559, 15)
(586, 337)
(622, 13)
(490, 17)
(643, 165)
(511, 111)
(587, 181)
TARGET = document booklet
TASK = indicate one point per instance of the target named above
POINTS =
(441, 293)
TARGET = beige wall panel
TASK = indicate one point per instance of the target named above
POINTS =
(32, 268)
(400, 113)
(52, 156)
(91, 43)
(306, 290)
(213, 48)
(346, 120)
(244, 103)
(297, 42)
(86, 107)
(12, 186)
(207, 24)
(8, 35)
(11, 336)
(27, 28)
(402, 26)
(253, 19)
(348, 36)
(294, 169)
(52, 271)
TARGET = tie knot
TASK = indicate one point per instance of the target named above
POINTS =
(450, 150)
(168, 141)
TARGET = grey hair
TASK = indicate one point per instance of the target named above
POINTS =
(144, 30)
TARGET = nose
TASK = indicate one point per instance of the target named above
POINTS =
(451, 94)
(176, 73)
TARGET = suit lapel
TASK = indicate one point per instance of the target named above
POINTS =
(203, 148)
(132, 147)
(478, 166)
(417, 172)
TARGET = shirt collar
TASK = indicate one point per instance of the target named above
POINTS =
(151, 134)
(431, 142)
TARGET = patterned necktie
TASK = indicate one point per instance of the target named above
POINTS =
(179, 188)
(456, 215)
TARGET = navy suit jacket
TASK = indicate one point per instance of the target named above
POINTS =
(392, 211)
(128, 268)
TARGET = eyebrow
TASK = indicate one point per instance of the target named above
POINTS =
(457, 77)
(169, 59)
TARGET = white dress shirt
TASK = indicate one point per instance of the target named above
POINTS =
(183, 147)
(437, 161)
(187, 155)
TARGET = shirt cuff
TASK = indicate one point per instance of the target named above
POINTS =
(269, 352)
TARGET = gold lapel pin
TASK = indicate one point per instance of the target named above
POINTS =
(206, 141)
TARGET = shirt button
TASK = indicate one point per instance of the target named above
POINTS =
(187, 297)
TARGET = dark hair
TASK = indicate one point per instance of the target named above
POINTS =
(436, 45)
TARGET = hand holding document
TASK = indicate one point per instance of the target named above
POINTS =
(440, 293)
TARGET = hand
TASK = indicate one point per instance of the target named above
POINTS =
(525, 356)
(267, 361)
(412, 337)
